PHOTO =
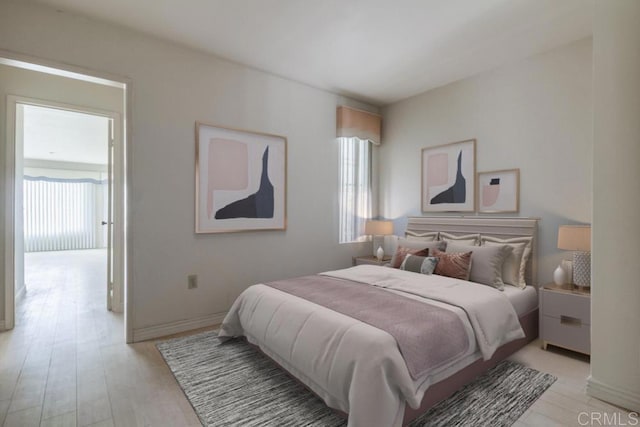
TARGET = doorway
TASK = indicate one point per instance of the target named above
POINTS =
(66, 199)
(66, 188)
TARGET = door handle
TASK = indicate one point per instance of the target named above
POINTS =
(105, 223)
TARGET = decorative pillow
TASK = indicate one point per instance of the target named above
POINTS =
(419, 264)
(454, 265)
(515, 266)
(486, 262)
(468, 239)
(414, 244)
(424, 237)
(402, 252)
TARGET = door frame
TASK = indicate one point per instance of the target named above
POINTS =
(121, 188)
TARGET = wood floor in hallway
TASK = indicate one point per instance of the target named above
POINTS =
(65, 363)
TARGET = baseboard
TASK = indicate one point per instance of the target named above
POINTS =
(150, 332)
(20, 293)
(623, 398)
(2, 328)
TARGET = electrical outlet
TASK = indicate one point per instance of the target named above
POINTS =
(192, 281)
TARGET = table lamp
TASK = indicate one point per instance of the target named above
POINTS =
(377, 229)
(577, 238)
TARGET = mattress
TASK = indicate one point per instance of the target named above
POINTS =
(523, 300)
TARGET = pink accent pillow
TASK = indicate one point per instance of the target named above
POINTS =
(456, 265)
(402, 252)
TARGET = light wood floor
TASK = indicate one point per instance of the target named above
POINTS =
(66, 364)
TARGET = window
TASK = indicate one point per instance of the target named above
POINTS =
(62, 214)
(355, 188)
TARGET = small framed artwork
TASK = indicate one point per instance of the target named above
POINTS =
(448, 177)
(241, 180)
(499, 191)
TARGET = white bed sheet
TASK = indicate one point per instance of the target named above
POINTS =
(523, 300)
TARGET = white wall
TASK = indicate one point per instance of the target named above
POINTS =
(615, 301)
(172, 88)
(535, 115)
(20, 82)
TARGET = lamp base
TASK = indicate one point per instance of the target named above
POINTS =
(582, 269)
(559, 275)
(377, 242)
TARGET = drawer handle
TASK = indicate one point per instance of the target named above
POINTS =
(571, 321)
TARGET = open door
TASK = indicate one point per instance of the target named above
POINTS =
(109, 219)
(114, 218)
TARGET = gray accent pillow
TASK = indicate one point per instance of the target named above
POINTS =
(513, 271)
(419, 264)
(486, 262)
(415, 244)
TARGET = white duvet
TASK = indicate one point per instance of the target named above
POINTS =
(355, 367)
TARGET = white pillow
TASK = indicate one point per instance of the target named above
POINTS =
(469, 239)
(486, 262)
(515, 266)
(425, 237)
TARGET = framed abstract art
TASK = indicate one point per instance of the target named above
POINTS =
(241, 180)
(499, 191)
(448, 177)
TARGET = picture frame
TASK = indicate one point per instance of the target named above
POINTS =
(240, 180)
(499, 191)
(448, 177)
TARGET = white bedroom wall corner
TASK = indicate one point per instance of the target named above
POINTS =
(534, 114)
(615, 302)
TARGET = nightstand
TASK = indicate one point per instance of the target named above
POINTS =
(565, 317)
(370, 259)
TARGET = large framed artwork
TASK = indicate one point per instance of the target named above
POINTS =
(241, 180)
(499, 191)
(448, 177)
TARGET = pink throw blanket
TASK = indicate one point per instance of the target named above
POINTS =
(428, 336)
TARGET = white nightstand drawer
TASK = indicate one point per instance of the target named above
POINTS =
(567, 332)
(556, 304)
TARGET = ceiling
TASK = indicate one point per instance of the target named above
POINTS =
(64, 136)
(379, 51)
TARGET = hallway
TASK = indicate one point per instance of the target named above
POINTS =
(66, 363)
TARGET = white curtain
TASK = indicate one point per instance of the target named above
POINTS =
(355, 188)
(62, 214)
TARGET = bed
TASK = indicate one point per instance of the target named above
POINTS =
(386, 368)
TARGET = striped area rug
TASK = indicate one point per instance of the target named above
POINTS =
(235, 385)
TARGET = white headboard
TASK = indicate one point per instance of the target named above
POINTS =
(503, 228)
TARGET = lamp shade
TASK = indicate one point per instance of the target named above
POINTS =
(574, 238)
(378, 228)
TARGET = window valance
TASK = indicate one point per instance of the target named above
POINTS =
(357, 123)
